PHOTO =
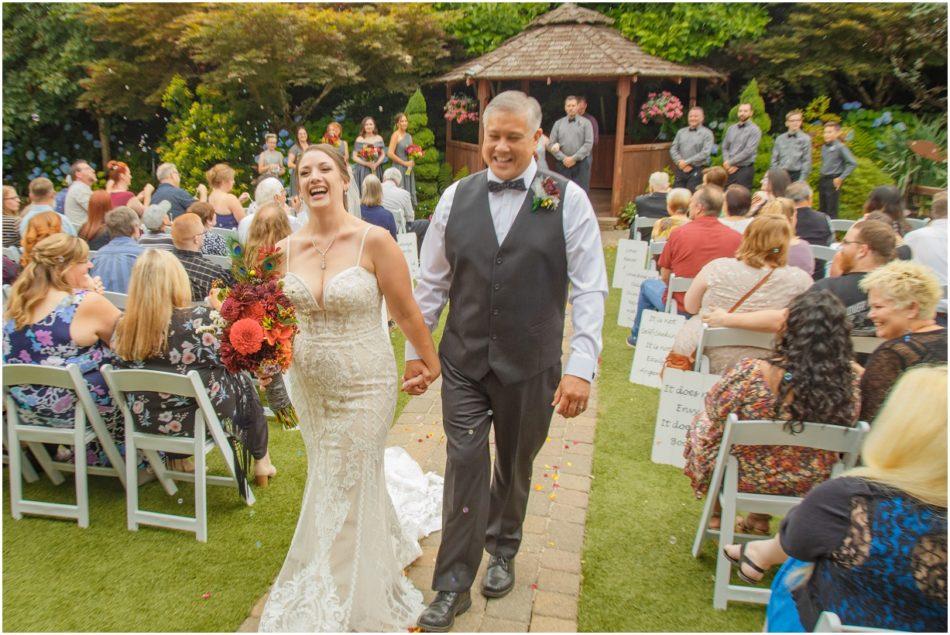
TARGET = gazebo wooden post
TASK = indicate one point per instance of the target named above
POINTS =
(692, 92)
(623, 91)
(483, 92)
(525, 86)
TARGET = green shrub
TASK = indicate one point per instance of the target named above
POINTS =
(461, 174)
(626, 215)
(427, 168)
(750, 95)
(445, 176)
(427, 172)
(856, 187)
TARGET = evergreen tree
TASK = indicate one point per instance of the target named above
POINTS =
(427, 168)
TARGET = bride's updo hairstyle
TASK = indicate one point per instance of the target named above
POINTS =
(331, 152)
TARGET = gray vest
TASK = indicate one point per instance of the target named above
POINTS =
(506, 303)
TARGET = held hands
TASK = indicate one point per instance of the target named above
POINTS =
(555, 147)
(418, 376)
(837, 182)
(571, 396)
(569, 162)
(93, 284)
(732, 169)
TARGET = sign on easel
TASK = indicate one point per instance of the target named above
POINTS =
(630, 295)
(683, 395)
(654, 341)
(407, 243)
(631, 258)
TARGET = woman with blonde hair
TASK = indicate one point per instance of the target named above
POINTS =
(371, 206)
(162, 331)
(11, 216)
(39, 227)
(677, 206)
(903, 297)
(94, 230)
(757, 278)
(270, 225)
(226, 205)
(870, 545)
(799, 251)
(54, 317)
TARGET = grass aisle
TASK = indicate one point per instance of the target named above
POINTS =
(638, 574)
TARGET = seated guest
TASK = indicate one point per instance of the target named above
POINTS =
(156, 223)
(774, 185)
(735, 208)
(10, 270)
(118, 182)
(94, 230)
(887, 199)
(113, 263)
(169, 190)
(799, 381)
(688, 249)
(716, 175)
(901, 251)
(55, 318)
(677, 206)
(799, 251)
(42, 199)
(269, 191)
(870, 545)
(929, 247)
(270, 227)
(214, 244)
(653, 203)
(371, 208)
(757, 278)
(40, 226)
(161, 331)
(903, 298)
(397, 200)
(226, 206)
(811, 226)
(188, 234)
(11, 217)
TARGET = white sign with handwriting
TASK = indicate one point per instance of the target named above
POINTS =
(407, 242)
(630, 295)
(683, 395)
(654, 341)
(631, 258)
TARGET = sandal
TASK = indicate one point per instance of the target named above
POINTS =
(744, 559)
(743, 526)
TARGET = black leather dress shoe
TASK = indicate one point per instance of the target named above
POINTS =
(440, 614)
(499, 577)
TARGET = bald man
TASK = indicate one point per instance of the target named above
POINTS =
(188, 234)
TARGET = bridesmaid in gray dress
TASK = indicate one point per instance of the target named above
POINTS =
(398, 143)
(361, 168)
(293, 156)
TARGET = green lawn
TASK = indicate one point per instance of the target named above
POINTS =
(638, 571)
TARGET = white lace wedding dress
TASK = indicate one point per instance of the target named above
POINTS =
(344, 570)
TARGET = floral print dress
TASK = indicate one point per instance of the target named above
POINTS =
(781, 470)
(49, 343)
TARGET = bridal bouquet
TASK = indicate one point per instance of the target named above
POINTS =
(415, 153)
(260, 325)
(369, 153)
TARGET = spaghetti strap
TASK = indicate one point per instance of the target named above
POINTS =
(359, 258)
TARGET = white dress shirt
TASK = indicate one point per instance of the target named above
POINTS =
(585, 266)
(398, 202)
(929, 247)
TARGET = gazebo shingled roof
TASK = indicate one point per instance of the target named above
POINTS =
(596, 50)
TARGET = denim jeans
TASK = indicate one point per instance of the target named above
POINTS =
(651, 298)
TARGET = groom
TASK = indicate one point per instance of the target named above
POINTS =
(503, 248)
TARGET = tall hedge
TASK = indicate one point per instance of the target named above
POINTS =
(427, 168)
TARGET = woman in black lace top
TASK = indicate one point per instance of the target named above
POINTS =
(903, 298)
(870, 546)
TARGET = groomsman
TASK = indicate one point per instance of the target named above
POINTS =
(691, 149)
(572, 139)
(792, 150)
(837, 163)
(739, 148)
(582, 111)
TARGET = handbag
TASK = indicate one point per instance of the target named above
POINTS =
(679, 361)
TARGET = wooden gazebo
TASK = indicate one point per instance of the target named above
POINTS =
(568, 44)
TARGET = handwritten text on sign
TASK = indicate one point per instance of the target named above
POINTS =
(682, 396)
(657, 332)
(630, 295)
(631, 257)
(407, 242)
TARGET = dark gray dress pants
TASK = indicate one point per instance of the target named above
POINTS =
(478, 513)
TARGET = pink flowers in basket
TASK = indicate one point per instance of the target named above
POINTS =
(461, 109)
(660, 108)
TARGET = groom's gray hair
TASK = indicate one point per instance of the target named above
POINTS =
(516, 102)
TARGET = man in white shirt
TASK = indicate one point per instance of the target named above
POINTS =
(506, 247)
(929, 247)
(77, 198)
(397, 200)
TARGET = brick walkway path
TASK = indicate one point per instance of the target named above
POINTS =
(548, 566)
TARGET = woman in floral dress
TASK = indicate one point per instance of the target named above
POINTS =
(808, 377)
(162, 331)
(56, 317)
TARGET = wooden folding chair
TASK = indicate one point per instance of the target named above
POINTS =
(676, 285)
(77, 436)
(125, 381)
(724, 336)
(724, 487)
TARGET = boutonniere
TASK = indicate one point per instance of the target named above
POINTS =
(546, 194)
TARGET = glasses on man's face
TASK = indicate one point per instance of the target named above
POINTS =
(851, 242)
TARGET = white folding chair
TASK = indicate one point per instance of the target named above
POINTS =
(119, 300)
(841, 224)
(222, 261)
(77, 436)
(654, 249)
(224, 232)
(93, 253)
(724, 487)
(917, 223)
(640, 222)
(6, 295)
(676, 285)
(125, 381)
(825, 254)
(12, 252)
(829, 622)
(722, 336)
(865, 344)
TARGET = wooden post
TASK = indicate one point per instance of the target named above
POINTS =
(692, 92)
(623, 91)
(483, 91)
(525, 86)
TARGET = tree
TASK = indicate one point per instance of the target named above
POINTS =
(481, 27)
(426, 168)
(870, 51)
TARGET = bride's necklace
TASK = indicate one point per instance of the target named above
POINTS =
(323, 252)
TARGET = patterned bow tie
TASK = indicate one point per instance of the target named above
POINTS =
(792, 135)
(513, 184)
(571, 119)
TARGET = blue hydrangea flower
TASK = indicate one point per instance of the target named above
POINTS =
(715, 149)
(283, 133)
(900, 126)
(879, 145)
(876, 123)
(887, 117)
(30, 155)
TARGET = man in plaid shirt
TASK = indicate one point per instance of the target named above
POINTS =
(188, 234)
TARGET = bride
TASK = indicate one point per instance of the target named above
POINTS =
(344, 570)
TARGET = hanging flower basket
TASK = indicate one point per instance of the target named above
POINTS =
(461, 109)
(664, 109)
